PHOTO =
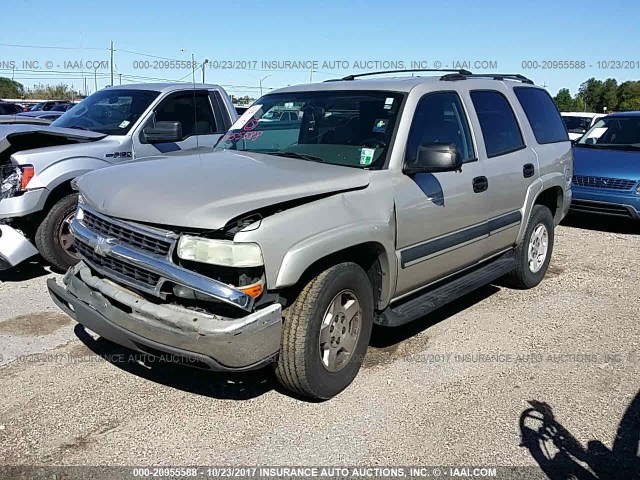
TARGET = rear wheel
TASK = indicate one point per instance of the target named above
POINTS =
(326, 332)
(53, 237)
(534, 252)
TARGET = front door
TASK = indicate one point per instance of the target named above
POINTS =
(440, 216)
(194, 112)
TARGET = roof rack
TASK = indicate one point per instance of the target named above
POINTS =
(368, 74)
(452, 77)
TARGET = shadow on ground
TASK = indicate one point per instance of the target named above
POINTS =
(234, 386)
(384, 337)
(562, 457)
(27, 270)
(601, 223)
(384, 349)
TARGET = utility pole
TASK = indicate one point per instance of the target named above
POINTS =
(206, 60)
(120, 75)
(111, 62)
(95, 78)
(264, 78)
(311, 76)
(193, 68)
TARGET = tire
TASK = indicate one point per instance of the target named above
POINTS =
(300, 367)
(524, 276)
(48, 239)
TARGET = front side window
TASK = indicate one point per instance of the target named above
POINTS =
(110, 111)
(542, 114)
(191, 110)
(616, 132)
(439, 118)
(349, 128)
(498, 123)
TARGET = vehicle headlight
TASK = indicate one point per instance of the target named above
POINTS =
(638, 188)
(15, 180)
(10, 183)
(219, 252)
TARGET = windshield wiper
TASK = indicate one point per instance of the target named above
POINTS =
(77, 127)
(301, 156)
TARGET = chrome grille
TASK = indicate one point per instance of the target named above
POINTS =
(603, 182)
(128, 236)
(116, 267)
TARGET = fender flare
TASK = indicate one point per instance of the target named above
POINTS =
(313, 249)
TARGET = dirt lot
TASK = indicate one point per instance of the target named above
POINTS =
(454, 388)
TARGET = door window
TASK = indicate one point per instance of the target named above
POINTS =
(440, 118)
(192, 110)
(498, 123)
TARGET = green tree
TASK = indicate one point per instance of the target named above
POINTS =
(609, 95)
(629, 96)
(564, 101)
(10, 88)
(61, 91)
(591, 93)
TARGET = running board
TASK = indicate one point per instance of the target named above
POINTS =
(427, 302)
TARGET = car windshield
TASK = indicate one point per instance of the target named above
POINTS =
(576, 124)
(112, 112)
(349, 128)
(613, 132)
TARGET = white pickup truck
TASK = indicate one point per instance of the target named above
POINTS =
(38, 163)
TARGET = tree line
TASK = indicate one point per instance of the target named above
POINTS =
(593, 95)
(600, 96)
(11, 89)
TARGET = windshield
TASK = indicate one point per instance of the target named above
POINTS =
(349, 128)
(577, 124)
(613, 132)
(112, 112)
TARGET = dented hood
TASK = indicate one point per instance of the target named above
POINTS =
(207, 190)
(19, 137)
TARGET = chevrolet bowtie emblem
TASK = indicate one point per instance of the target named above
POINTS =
(104, 246)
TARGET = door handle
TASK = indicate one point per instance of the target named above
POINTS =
(480, 184)
(528, 170)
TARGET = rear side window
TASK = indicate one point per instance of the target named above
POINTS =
(543, 116)
(498, 123)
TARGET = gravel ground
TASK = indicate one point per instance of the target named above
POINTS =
(447, 390)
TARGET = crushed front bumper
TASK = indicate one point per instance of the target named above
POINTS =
(14, 247)
(203, 340)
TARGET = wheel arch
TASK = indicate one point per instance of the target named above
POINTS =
(371, 256)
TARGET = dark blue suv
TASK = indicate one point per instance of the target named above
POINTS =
(606, 170)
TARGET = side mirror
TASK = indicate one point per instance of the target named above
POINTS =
(435, 157)
(163, 132)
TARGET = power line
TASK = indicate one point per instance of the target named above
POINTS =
(49, 46)
(148, 55)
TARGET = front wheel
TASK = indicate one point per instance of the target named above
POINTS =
(53, 238)
(326, 332)
(534, 252)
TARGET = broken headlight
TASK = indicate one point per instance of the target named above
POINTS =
(14, 179)
(219, 252)
(10, 182)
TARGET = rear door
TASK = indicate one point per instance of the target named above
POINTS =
(194, 111)
(510, 166)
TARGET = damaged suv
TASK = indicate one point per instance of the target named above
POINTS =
(378, 202)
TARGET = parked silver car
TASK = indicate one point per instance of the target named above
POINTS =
(389, 198)
(37, 164)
